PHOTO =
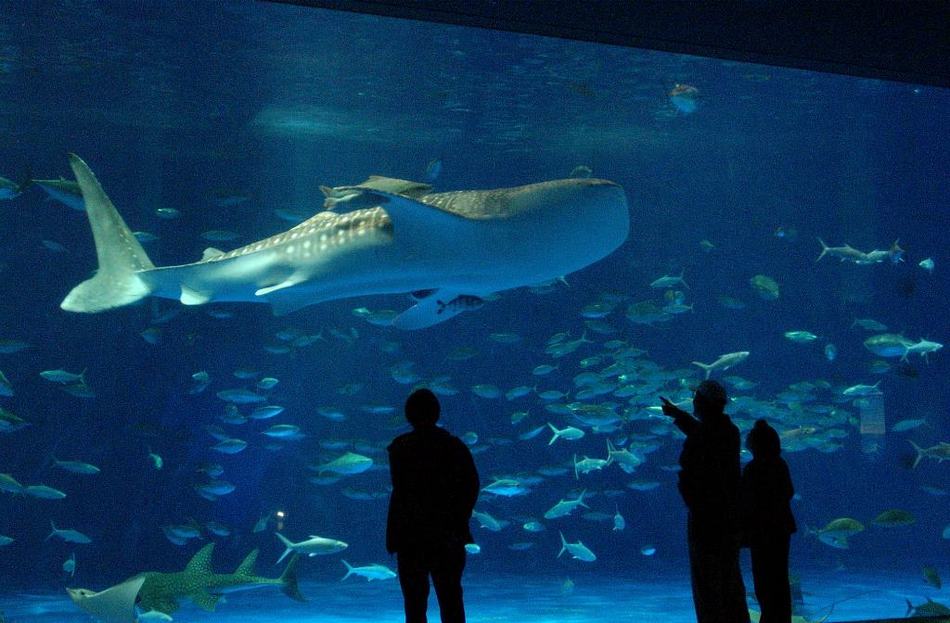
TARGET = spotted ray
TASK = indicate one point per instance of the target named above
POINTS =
(453, 247)
(116, 604)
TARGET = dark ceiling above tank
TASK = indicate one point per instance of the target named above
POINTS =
(904, 41)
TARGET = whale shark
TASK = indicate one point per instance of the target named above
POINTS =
(449, 249)
(154, 591)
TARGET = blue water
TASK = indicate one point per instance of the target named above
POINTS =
(178, 106)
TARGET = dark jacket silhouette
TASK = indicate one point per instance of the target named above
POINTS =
(709, 485)
(767, 521)
(435, 486)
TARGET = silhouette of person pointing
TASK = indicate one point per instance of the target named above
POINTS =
(709, 485)
(435, 486)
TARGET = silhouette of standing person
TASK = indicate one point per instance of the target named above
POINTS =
(435, 486)
(768, 522)
(709, 485)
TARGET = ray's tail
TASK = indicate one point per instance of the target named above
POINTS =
(121, 257)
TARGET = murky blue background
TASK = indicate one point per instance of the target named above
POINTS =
(178, 105)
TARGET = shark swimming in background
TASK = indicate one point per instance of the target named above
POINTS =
(66, 192)
(153, 591)
(449, 249)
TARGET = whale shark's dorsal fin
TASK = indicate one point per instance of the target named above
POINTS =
(211, 253)
(113, 605)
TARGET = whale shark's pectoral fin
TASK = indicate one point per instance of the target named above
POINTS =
(113, 605)
(435, 308)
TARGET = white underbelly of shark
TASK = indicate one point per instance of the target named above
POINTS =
(458, 244)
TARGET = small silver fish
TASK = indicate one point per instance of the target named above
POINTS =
(62, 376)
(433, 170)
(6, 387)
(70, 565)
(831, 352)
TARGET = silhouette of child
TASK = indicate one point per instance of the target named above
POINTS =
(767, 521)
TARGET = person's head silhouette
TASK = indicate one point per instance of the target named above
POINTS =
(710, 399)
(763, 441)
(422, 408)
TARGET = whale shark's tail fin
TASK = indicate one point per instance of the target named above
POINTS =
(121, 257)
